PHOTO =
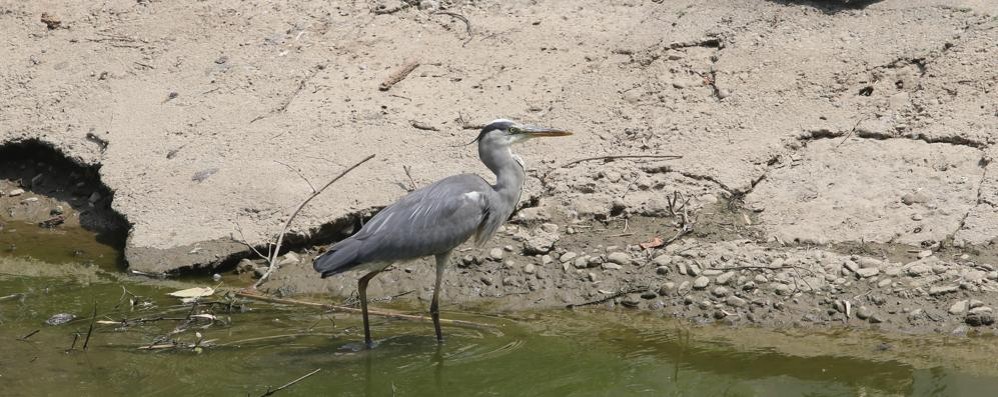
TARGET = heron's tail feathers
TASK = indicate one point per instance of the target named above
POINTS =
(339, 258)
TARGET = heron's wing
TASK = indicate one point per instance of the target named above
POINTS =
(431, 220)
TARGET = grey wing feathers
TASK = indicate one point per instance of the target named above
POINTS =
(428, 221)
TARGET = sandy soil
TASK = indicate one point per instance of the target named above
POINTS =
(820, 137)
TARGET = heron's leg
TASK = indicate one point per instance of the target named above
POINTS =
(362, 292)
(442, 260)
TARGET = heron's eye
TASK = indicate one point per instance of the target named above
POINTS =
(514, 130)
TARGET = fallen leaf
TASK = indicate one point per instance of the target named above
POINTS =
(654, 243)
(195, 292)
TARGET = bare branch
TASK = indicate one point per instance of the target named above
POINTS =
(289, 384)
(272, 261)
(642, 156)
(298, 171)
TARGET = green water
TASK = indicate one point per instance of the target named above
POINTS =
(256, 345)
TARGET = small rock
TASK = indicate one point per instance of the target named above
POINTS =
(943, 289)
(681, 268)
(875, 319)
(568, 256)
(720, 292)
(94, 198)
(290, 258)
(245, 266)
(724, 278)
(649, 295)
(611, 266)
(60, 319)
(782, 289)
(15, 192)
(914, 198)
(974, 303)
(959, 307)
(720, 314)
(216, 277)
(884, 283)
(619, 258)
(852, 266)
(663, 260)
(866, 262)
(867, 272)
(683, 287)
(592, 277)
(546, 259)
(582, 262)
(486, 280)
(667, 288)
(529, 268)
(863, 313)
(693, 270)
(919, 269)
(662, 270)
(496, 254)
(735, 301)
(924, 254)
(978, 319)
(701, 282)
(760, 279)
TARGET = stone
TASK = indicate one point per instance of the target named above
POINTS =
(914, 198)
(701, 282)
(977, 319)
(611, 266)
(592, 277)
(710, 272)
(683, 287)
(760, 279)
(782, 289)
(568, 256)
(94, 198)
(663, 260)
(290, 258)
(863, 313)
(919, 269)
(662, 270)
(496, 254)
(959, 307)
(60, 319)
(245, 266)
(867, 272)
(15, 192)
(582, 262)
(693, 270)
(540, 242)
(924, 254)
(619, 258)
(974, 303)
(735, 301)
(681, 268)
(546, 259)
(885, 283)
(649, 295)
(667, 288)
(529, 268)
(943, 289)
(852, 266)
(865, 262)
(720, 292)
(724, 278)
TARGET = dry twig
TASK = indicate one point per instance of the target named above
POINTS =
(399, 75)
(611, 297)
(289, 384)
(643, 156)
(467, 24)
(272, 261)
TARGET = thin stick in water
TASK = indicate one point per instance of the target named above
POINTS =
(93, 318)
(289, 384)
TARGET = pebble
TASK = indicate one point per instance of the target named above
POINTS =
(724, 278)
(867, 272)
(919, 269)
(977, 319)
(582, 263)
(959, 307)
(865, 262)
(914, 198)
(761, 279)
(667, 288)
(619, 258)
(546, 259)
(701, 282)
(60, 319)
(681, 267)
(663, 260)
(568, 256)
(529, 268)
(720, 292)
(662, 270)
(924, 254)
(863, 313)
(693, 270)
(592, 276)
(684, 287)
(649, 295)
(735, 301)
(496, 254)
(612, 266)
(885, 282)
(15, 192)
(944, 289)
(782, 289)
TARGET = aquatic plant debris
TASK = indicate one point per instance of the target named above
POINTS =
(195, 292)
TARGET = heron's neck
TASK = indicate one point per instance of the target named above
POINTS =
(509, 173)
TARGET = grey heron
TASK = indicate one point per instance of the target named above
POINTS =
(437, 218)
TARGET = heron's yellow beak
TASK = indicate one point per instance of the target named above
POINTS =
(535, 132)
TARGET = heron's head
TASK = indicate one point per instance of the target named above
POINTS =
(504, 132)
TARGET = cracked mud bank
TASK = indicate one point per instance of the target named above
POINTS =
(838, 160)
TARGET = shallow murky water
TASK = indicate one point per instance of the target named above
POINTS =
(251, 346)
